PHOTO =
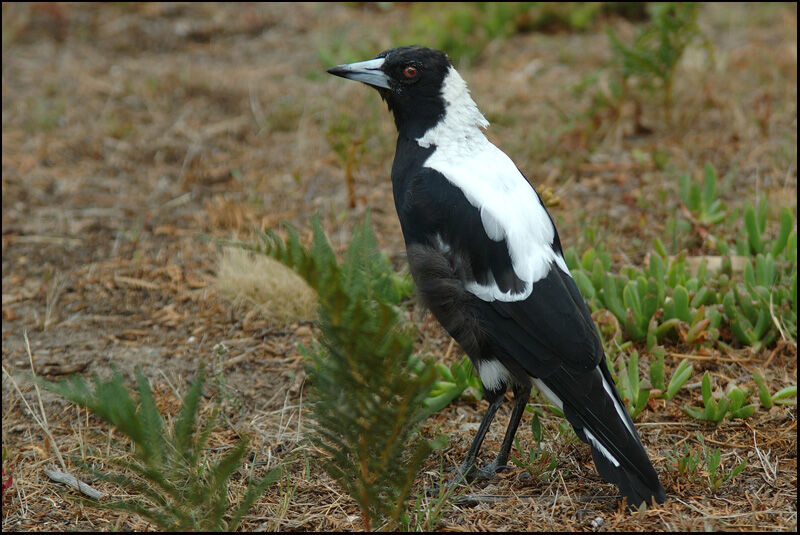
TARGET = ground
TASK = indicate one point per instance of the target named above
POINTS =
(132, 132)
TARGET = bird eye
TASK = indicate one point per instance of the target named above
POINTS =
(410, 71)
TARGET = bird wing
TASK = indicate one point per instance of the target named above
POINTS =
(549, 327)
(553, 318)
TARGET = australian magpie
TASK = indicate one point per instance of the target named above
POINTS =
(486, 259)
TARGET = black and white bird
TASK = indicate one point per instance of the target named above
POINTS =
(486, 259)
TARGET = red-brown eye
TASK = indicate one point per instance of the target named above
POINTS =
(410, 71)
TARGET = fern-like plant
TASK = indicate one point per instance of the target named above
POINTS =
(657, 48)
(175, 482)
(368, 395)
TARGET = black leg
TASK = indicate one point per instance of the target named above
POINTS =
(469, 462)
(521, 395)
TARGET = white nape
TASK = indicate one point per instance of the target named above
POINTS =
(509, 207)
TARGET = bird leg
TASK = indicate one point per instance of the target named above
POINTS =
(467, 466)
(521, 395)
(467, 469)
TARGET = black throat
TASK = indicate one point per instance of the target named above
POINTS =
(414, 118)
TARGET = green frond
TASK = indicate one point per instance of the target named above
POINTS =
(368, 396)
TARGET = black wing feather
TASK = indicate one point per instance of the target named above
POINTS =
(554, 316)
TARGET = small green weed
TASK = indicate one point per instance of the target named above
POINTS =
(670, 297)
(453, 382)
(784, 396)
(537, 462)
(650, 303)
(634, 392)
(657, 377)
(753, 237)
(347, 136)
(688, 464)
(426, 511)
(733, 404)
(44, 113)
(717, 474)
(764, 304)
(464, 30)
(653, 56)
(702, 202)
(175, 482)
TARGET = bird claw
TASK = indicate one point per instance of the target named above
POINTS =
(488, 472)
(471, 475)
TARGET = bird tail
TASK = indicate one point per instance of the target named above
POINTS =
(594, 408)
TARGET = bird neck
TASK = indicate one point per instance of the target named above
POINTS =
(462, 122)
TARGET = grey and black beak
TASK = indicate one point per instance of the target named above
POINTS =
(368, 72)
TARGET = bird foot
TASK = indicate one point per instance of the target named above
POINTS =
(469, 474)
(488, 472)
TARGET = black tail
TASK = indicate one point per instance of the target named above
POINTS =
(600, 419)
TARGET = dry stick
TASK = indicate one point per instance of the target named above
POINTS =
(56, 475)
(566, 489)
(449, 349)
(770, 470)
(721, 517)
(703, 357)
(729, 444)
(775, 320)
(62, 477)
(36, 418)
(43, 422)
(771, 355)
(475, 499)
(553, 507)
(239, 358)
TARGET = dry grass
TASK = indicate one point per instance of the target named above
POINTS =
(264, 287)
(129, 129)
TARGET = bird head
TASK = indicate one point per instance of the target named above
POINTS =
(410, 79)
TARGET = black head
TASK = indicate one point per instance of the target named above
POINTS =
(409, 79)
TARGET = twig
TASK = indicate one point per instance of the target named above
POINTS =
(43, 422)
(137, 283)
(449, 349)
(52, 300)
(57, 240)
(238, 358)
(561, 476)
(721, 517)
(728, 444)
(770, 470)
(709, 357)
(775, 320)
(257, 110)
(771, 355)
(476, 499)
(62, 477)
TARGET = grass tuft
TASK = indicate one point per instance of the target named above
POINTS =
(265, 285)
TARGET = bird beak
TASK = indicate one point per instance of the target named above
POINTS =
(368, 72)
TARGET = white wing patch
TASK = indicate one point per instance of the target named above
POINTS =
(493, 374)
(602, 449)
(620, 409)
(492, 225)
(508, 205)
(549, 394)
